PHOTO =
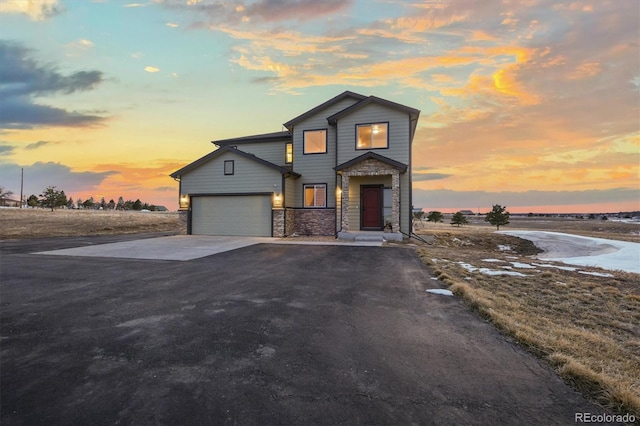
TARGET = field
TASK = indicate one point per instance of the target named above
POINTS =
(585, 322)
(41, 223)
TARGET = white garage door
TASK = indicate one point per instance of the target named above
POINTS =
(248, 215)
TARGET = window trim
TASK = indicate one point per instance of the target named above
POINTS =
(304, 190)
(286, 153)
(233, 167)
(304, 141)
(370, 124)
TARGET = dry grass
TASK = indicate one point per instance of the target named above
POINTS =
(39, 223)
(586, 327)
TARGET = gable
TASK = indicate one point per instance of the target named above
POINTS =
(229, 149)
(243, 174)
(347, 95)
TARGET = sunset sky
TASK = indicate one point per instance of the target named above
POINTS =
(529, 104)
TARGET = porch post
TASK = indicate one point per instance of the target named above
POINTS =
(395, 200)
(345, 202)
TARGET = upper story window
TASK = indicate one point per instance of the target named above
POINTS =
(288, 153)
(372, 136)
(315, 141)
(228, 167)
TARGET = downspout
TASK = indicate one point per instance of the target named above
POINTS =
(335, 188)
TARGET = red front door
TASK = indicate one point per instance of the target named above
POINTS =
(371, 212)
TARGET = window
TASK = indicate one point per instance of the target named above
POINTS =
(372, 136)
(315, 141)
(288, 153)
(228, 167)
(315, 195)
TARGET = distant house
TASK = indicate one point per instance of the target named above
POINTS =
(467, 212)
(344, 165)
(8, 202)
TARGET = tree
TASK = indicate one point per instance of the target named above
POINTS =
(52, 198)
(111, 205)
(33, 201)
(435, 217)
(459, 219)
(498, 216)
(88, 204)
(137, 205)
(70, 203)
(103, 203)
(120, 205)
(4, 195)
(79, 203)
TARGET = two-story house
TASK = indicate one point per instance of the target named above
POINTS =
(340, 167)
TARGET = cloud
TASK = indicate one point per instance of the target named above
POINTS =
(36, 10)
(22, 79)
(36, 145)
(262, 11)
(40, 175)
(78, 47)
(418, 177)
(151, 69)
(172, 25)
(6, 149)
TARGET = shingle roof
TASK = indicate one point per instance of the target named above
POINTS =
(228, 148)
(264, 137)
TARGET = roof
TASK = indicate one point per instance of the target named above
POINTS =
(264, 137)
(228, 148)
(368, 100)
(372, 156)
(413, 113)
(346, 94)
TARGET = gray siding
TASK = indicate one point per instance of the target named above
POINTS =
(317, 168)
(249, 176)
(273, 152)
(398, 133)
(290, 192)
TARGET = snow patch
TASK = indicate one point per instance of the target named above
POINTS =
(584, 251)
(492, 260)
(487, 271)
(522, 265)
(548, 265)
(502, 247)
(596, 274)
(440, 291)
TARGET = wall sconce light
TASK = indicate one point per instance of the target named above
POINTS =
(277, 200)
(338, 192)
(184, 201)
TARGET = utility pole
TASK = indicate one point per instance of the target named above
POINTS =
(21, 185)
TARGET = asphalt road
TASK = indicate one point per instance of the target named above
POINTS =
(263, 335)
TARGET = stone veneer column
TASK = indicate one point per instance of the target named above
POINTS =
(395, 201)
(345, 202)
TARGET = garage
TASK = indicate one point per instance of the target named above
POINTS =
(245, 215)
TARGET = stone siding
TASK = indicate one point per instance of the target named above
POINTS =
(290, 221)
(278, 222)
(314, 221)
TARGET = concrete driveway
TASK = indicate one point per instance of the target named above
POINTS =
(265, 334)
(181, 247)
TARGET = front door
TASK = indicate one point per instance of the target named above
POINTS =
(371, 212)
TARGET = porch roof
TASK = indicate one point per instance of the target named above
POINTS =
(372, 156)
